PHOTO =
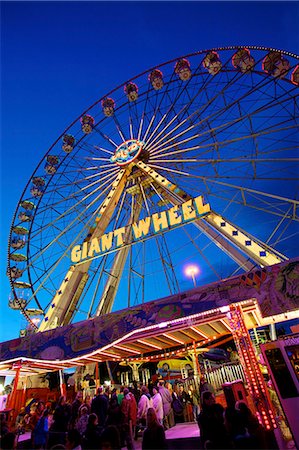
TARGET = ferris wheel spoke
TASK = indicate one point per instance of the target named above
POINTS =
(151, 141)
(67, 212)
(203, 107)
(64, 198)
(100, 181)
(219, 129)
(157, 107)
(184, 90)
(158, 150)
(103, 149)
(110, 171)
(96, 158)
(118, 127)
(143, 115)
(282, 220)
(167, 169)
(107, 138)
(218, 113)
(59, 260)
(245, 191)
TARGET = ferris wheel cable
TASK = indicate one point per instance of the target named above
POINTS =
(148, 128)
(103, 150)
(166, 275)
(132, 114)
(144, 197)
(119, 130)
(118, 126)
(100, 275)
(292, 236)
(228, 160)
(170, 170)
(158, 194)
(107, 138)
(80, 180)
(221, 143)
(49, 272)
(69, 226)
(276, 212)
(278, 225)
(231, 122)
(131, 128)
(120, 208)
(220, 112)
(109, 171)
(73, 195)
(96, 158)
(88, 287)
(201, 252)
(142, 117)
(203, 88)
(99, 167)
(140, 126)
(157, 106)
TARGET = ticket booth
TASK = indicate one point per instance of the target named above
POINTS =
(234, 391)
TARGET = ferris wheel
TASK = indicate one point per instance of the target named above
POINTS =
(195, 160)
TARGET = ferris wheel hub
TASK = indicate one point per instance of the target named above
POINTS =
(127, 152)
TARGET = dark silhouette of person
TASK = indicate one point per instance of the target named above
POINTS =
(211, 423)
(110, 439)
(237, 432)
(99, 406)
(154, 434)
(93, 433)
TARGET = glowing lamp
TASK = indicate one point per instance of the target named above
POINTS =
(191, 271)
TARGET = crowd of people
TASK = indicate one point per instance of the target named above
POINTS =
(117, 418)
(112, 419)
(229, 428)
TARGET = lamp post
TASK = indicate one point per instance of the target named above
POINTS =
(191, 271)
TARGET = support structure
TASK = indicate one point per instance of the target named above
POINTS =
(254, 378)
(62, 384)
(24, 390)
(135, 366)
(97, 375)
(12, 397)
(197, 373)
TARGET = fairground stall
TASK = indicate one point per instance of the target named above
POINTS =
(187, 323)
(186, 170)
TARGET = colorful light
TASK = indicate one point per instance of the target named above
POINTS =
(191, 271)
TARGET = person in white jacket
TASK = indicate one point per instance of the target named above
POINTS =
(144, 404)
(158, 404)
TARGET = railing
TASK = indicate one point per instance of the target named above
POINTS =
(216, 376)
(225, 373)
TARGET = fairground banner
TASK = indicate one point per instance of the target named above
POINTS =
(276, 289)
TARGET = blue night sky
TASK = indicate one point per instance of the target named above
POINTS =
(57, 58)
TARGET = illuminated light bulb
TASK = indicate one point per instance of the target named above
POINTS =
(191, 271)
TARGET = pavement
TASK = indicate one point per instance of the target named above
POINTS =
(176, 436)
